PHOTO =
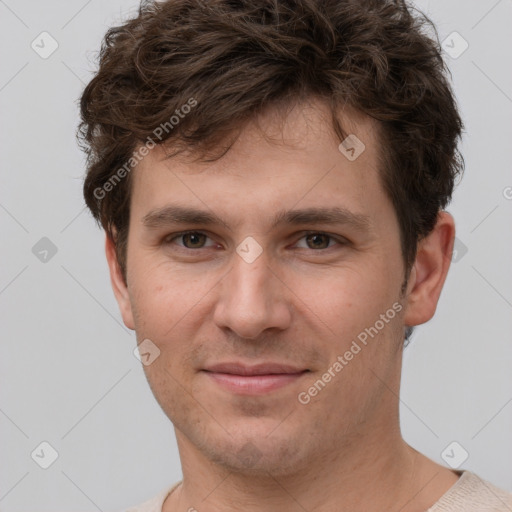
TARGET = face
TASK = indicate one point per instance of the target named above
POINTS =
(293, 257)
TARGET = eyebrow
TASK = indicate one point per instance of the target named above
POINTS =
(172, 214)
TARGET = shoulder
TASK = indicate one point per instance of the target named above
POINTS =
(473, 494)
(154, 504)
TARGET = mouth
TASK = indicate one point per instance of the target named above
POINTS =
(256, 380)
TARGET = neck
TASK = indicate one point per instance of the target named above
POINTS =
(370, 473)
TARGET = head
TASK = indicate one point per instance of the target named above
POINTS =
(241, 110)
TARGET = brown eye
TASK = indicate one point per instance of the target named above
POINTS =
(318, 241)
(189, 240)
(193, 240)
(321, 241)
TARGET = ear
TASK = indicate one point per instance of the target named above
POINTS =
(429, 271)
(118, 285)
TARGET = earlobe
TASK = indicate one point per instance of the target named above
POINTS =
(429, 271)
(118, 285)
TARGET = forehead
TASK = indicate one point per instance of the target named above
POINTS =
(281, 157)
(300, 126)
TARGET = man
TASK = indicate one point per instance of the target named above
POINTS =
(272, 177)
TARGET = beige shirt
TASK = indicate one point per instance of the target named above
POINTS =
(469, 494)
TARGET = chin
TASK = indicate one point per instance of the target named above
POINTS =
(257, 454)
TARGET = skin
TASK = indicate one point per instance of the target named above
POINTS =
(301, 302)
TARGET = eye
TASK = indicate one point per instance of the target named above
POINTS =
(190, 239)
(319, 240)
(197, 240)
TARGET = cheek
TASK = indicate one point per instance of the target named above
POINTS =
(162, 294)
(171, 312)
(344, 300)
(354, 315)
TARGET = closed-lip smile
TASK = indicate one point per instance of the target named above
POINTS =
(253, 380)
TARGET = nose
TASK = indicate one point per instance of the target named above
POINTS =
(252, 298)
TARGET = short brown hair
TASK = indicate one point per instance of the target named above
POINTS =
(236, 58)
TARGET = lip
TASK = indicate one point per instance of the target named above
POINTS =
(253, 380)
(236, 368)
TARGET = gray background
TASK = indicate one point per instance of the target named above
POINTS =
(68, 373)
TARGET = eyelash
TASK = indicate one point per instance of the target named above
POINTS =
(171, 238)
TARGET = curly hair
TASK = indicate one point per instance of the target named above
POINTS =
(238, 57)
